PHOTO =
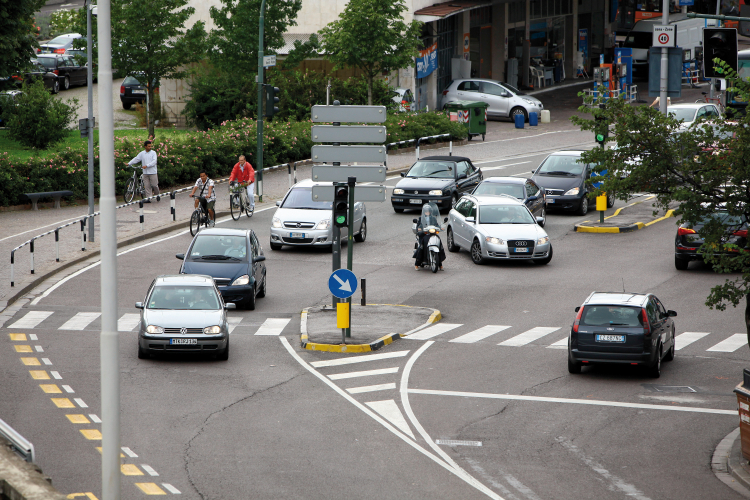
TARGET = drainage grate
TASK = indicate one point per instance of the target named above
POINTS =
(451, 442)
(669, 388)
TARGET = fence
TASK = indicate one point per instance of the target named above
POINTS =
(18, 443)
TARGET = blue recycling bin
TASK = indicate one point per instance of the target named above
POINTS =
(533, 119)
(520, 119)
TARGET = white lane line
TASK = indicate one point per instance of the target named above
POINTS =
(149, 469)
(80, 321)
(560, 344)
(454, 442)
(233, 322)
(731, 344)
(32, 336)
(366, 373)
(359, 359)
(529, 336)
(518, 138)
(687, 338)
(128, 321)
(371, 388)
(129, 452)
(95, 418)
(171, 488)
(56, 375)
(433, 331)
(500, 167)
(389, 410)
(592, 402)
(273, 326)
(80, 402)
(38, 348)
(31, 319)
(527, 492)
(46, 361)
(68, 389)
(479, 334)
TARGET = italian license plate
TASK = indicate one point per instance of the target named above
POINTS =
(550, 201)
(522, 250)
(296, 235)
(183, 341)
(610, 338)
(416, 202)
(136, 91)
(398, 200)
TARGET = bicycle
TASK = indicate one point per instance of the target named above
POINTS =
(135, 185)
(239, 201)
(200, 216)
(712, 100)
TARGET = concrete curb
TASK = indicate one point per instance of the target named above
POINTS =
(20, 480)
(726, 465)
(628, 228)
(359, 348)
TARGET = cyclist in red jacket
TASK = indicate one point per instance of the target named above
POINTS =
(244, 174)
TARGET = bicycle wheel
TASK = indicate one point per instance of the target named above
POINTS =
(195, 222)
(249, 209)
(235, 208)
(130, 191)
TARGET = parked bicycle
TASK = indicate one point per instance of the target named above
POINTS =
(135, 185)
(712, 100)
(239, 201)
(199, 217)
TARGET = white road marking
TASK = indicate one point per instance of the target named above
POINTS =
(359, 359)
(366, 373)
(480, 334)
(500, 167)
(433, 331)
(529, 336)
(56, 375)
(525, 490)
(731, 344)
(80, 321)
(129, 452)
(592, 402)
(233, 322)
(389, 410)
(687, 338)
(560, 344)
(95, 418)
(128, 321)
(38, 348)
(273, 326)
(46, 361)
(518, 138)
(371, 388)
(80, 402)
(31, 319)
(68, 389)
(149, 469)
(453, 442)
(32, 336)
(171, 488)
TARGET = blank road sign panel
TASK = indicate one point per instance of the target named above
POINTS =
(348, 133)
(349, 154)
(361, 193)
(330, 173)
(348, 114)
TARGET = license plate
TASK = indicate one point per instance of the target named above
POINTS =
(416, 202)
(399, 200)
(610, 338)
(296, 235)
(550, 201)
(522, 250)
(136, 91)
(183, 341)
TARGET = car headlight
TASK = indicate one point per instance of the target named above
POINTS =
(494, 241)
(242, 280)
(436, 192)
(212, 330)
(276, 222)
(533, 103)
(153, 329)
(324, 224)
(542, 241)
(572, 192)
(398, 191)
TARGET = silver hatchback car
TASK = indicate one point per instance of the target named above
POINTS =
(505, 101)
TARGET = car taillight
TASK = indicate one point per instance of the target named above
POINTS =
(38, 51)
(578, 320)
(122, 89)
(404, 103)
(685, 230)
(646, 324)
(56, 72)
(742, 233)
(59, 51)
(445, 92)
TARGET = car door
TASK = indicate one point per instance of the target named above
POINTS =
(78, 72)
(359, 213)
(667, 336)
(257, 267)
(465, 183)
(457, 220)
(496, 97)
(470, 222)
(468, 90)
(534, 200)
(655, 319)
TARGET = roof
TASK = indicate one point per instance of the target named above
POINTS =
(448, 8)
(506, 180)
(690, 105)
(568, 152)
(310, 182)
(611, 298)
(185, 279)
(445, 158)
(224, 231)
(497, 200)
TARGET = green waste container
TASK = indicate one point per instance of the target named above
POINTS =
(473, 114)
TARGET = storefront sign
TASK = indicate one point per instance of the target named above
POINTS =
(686, 2)
(583, 46)
(427, 61)
(466, 46)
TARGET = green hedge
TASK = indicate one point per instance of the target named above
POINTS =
(180, 160)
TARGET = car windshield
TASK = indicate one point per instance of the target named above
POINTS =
(504, 214)
(495, 189)
(61, 40)
(301, 198)
(47, 62)
(561, 165)
(434, 169)
(184, 297)
(725, 219)
(683, 114)
(220, 248)
(130, 80)
(612, 315)
(512, 89)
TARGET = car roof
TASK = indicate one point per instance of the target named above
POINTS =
(617, 298)
(688, 105)
(568, 152)
(445, 158)
(225, 231)
(310, 182)
(185, 279)
(477, 80)
(505, 180)
(496, 200)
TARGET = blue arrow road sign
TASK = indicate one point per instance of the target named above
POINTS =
(342, 283)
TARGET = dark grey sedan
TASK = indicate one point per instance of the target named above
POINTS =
(525, 190)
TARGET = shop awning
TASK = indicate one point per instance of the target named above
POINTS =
(446, 9)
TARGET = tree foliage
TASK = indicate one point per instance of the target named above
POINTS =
(17, 33)
(39, 119)
(372, 36)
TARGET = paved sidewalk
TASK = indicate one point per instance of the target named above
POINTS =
(631, 217)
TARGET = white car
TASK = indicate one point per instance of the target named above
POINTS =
(404, 98)
(505, 101)
(689, 113)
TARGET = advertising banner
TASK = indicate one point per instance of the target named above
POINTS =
(427, 61)
(583, 46)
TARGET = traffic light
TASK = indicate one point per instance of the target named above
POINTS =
(719, 43)
(601, 129)
(341, 205)
(271, 100)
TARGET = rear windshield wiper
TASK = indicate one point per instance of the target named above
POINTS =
(218, 257)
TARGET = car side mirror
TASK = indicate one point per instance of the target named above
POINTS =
(578, 308)
(278, 203)
(472, 220)
(462, 176)
(532, 198)
(139, 305)
(671, 313)
(540, 221)
(445, 219)
(230, 305)
(507, 94)
(259, 258)
(403, 174)
(180, 256)
(415, 221)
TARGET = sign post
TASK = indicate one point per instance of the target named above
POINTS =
(343, 283)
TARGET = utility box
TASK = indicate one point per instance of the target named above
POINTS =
(473, 114)
(674, 80)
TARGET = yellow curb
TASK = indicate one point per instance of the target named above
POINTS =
(670, 213)
(627, 229)
(435, 317)
(591, 229)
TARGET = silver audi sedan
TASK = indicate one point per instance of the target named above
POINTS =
(497, 228)
(183, 314)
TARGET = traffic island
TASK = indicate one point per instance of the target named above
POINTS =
(631, 217)
(372, 326)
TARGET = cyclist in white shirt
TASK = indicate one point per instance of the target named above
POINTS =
(205, 188)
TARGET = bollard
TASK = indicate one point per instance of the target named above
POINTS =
(289, 171)
(12, 262)
(83, 234)
(450, 148)
(364, 291)
(31, 247)
(533, 119)
(140, 209)
(57, 245)
(295, 171)
(519, 120)
(171, 206)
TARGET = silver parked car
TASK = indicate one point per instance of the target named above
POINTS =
(183, 313)
(497, 227)
(505, 101)
(300, 221)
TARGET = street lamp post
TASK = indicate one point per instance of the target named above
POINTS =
(90, 121)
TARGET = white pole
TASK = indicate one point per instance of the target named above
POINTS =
(90, 122)
(109, 347)
(663, 83)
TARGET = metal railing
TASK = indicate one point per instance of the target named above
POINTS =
(18, 443)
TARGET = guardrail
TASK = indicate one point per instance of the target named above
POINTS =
(18, 443)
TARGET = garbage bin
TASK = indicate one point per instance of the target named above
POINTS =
(473, 114)
(533, 119)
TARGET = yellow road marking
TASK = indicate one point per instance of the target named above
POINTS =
(670, 213)
(31, 362)
(122, 455)
(130, 470)
(78, 419)
(62, 402)
(150, 489)
(88, 495)
(17, 336)
(39, 374)
(92, 434)
(50, 388)
(23, 348)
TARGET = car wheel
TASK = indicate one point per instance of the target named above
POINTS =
(56, 87)
(681, 264)
(469, 137)
(398, 210)
(545, 261)
(262, 292)
(655, 369)
(671, 352)
(224, 354)
(142, 353)
(519, 111)
(584, 208)
(573, 367)
(126, 105)
(476, 253)
(610, 200)
(452, 247)
(250, 303)
(362, 235)
(66, 83)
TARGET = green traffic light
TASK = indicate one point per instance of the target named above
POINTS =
(340, 219)
(599, 137)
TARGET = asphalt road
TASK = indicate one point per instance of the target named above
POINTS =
(272, 422)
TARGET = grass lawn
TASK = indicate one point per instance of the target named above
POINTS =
(74, 140)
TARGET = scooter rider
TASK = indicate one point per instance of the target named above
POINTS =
(429, 218)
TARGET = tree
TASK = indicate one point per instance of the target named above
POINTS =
(703, 170)
(149, 41)
(233, 45)
(38, 119)
(17, 42)
(371, 35)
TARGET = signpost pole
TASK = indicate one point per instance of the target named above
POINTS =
(663, 80)
(350, 244)
(335, 252)
(90, 121)
(259, 156)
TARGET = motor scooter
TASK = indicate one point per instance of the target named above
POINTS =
(428, 224)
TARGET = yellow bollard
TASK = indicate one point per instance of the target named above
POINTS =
(342, 315)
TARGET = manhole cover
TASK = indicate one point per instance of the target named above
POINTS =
(669, 388)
